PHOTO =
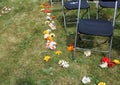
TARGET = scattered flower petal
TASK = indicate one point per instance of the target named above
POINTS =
(47, 31)
(58, 52)
(47, 58)
(53, 17)
(42, 6)
(47, 22)
(47, 11)
(63, 63)
(104, 65)
(86, 80)
(102, 83)
(116, 61)
(47, 5)
(111, 64)
(105, 59)
(71, 47)
(87, 53)
(52, 34)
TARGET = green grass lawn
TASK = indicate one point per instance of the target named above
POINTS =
(22, 49)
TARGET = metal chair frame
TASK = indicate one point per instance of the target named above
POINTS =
(76, 36)
(51, 2)
(65, 13)
(100, 8)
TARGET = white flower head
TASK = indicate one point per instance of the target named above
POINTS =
(9, 9)
(86, 80)
(87, 53)
(47, 22)
(46, 35)
(60, 62)
(48, 14)
(42, 9)
(104, 65)
(48, 18)
(52, 26)
(63, 63)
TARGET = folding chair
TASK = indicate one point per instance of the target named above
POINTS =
(105, 4)
(73, 5)
(94, 27)
(53, 1)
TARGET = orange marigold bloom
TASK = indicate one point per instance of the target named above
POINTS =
(71, 47)
(53, 17)
(47, 11)
(47, 5)
(49, 38)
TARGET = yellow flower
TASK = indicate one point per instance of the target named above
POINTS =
(116, 61)
(58, 52)
(102, 83)
(42, 6)
(47, 58)
(47, 31)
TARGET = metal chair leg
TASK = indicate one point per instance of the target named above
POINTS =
(64, 18)
(51, 2)
(111, 39)
(88, 13)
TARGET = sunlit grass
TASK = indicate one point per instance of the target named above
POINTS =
(22, 50)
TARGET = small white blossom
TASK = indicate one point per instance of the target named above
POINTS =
(104, 65)
(86, 80)
(87, 53)
(63, 63)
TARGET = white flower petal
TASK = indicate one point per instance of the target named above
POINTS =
(104, 65)
(86, 80)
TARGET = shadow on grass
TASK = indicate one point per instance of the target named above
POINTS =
(25, 81)
(94, 43)
(116, 44)
(82, 41)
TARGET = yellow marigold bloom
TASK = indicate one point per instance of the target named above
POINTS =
(116, 61)
(102, 83)
(58, 52)
(42, 6)
(47, 31)
(47, 58)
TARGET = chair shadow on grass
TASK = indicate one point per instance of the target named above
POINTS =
(82, 41)
(94, 43)
(116, 44)
(25, 81)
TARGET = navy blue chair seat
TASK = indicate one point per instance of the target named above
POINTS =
(95, 27)
(72, 5)
(110, 4)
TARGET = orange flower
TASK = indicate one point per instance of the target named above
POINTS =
(47, 5)
(47, 11)
(71, 47)
(53, 17)
(49, 38)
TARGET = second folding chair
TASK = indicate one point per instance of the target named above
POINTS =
(54, 1)
(94, 27)
(107, 4)
(73, 5)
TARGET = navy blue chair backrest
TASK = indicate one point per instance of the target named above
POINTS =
(108, 0)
